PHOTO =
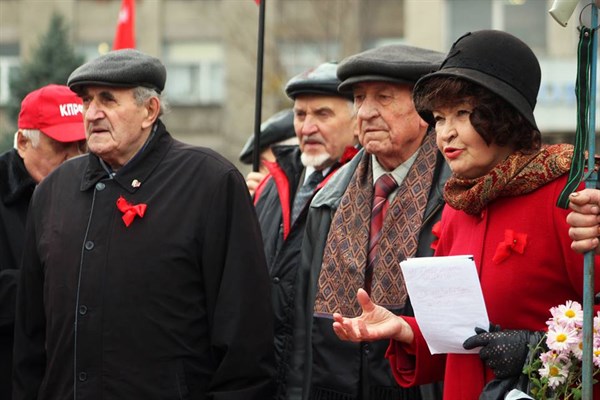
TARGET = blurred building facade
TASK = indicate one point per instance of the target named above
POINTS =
(210, 46)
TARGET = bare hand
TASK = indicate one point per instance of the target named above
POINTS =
(252, 180)
(585, 220)
(375, 323)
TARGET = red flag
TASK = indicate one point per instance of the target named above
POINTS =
(257, 1)
(125, 36)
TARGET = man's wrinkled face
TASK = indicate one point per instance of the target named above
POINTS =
(116, 125)
(324, 126)
(48, 154)
(389, 125)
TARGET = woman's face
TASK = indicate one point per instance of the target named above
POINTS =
(467, 154)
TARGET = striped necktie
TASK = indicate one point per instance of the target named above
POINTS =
(383, 187)
(305, 192)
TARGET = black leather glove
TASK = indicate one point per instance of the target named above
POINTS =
(504, 351)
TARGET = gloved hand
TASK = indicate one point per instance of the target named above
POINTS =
(504, 351)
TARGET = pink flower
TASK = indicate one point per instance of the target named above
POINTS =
(557, 373)
(562, 338)
(577, 349)
(596, 356)
(568, 314)
(555, 368)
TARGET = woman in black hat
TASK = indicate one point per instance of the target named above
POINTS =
(500, 209)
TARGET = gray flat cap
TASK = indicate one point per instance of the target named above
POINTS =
(278, 127)
(320, 80)
(396, 63)
(120, 68)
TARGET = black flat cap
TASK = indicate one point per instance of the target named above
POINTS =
(120, 68)
(396, 63)
(278, 127)
(320, 80)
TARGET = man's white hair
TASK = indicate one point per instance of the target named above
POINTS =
(32, 134)
(141, 94)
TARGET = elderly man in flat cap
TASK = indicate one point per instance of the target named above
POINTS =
(378, 210)
(277, 130)
(144, 275)
(324, 122)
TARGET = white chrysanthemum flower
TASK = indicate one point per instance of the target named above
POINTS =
(596, 357)
(562, 339)
(569, 314)
(596, 326)
(555, 372)
(561, 364)
(577, 349)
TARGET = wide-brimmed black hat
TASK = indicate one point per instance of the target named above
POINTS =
(499, 62)
(320, 80)
(277, 128)
(396, 63)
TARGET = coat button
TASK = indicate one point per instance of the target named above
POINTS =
(83, 309)
(82, 377)
(100, 186)
(89, 245)
(276, 280)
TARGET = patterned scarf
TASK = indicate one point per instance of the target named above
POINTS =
(345, 254)
(520, 173)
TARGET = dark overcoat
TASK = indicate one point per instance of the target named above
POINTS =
(174, 306)
(16, 188)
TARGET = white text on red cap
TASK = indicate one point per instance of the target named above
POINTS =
(70, 109)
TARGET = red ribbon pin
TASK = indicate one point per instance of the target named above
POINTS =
(130, 211)
(513, 242)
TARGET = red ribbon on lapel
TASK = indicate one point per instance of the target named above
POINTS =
(436, 229)
(513, 242)
(130, 211)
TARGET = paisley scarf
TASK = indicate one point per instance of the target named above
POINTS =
(345, 254)
(518, 174)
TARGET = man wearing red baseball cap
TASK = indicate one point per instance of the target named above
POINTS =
(50, 132)
(55, 112)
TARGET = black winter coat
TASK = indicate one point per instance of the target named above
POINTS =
(283, 255)
(174, 306)
(16, 188)
(362, 372)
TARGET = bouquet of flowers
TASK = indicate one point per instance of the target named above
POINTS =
(554, 367)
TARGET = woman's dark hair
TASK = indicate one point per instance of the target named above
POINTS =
(492, 117)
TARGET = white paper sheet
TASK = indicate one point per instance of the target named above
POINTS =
(446, 297)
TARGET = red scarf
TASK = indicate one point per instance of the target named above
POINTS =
(520, 173)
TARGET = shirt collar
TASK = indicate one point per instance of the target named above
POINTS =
(310, 169)
(399, 173)
(133, 174)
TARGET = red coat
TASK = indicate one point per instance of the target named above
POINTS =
(519, 290)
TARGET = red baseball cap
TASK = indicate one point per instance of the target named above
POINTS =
(56, 111)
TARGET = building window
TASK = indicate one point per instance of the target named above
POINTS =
(89, 51)
(195, 73)
(297, 57)
(9, 69)
(525, 19)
